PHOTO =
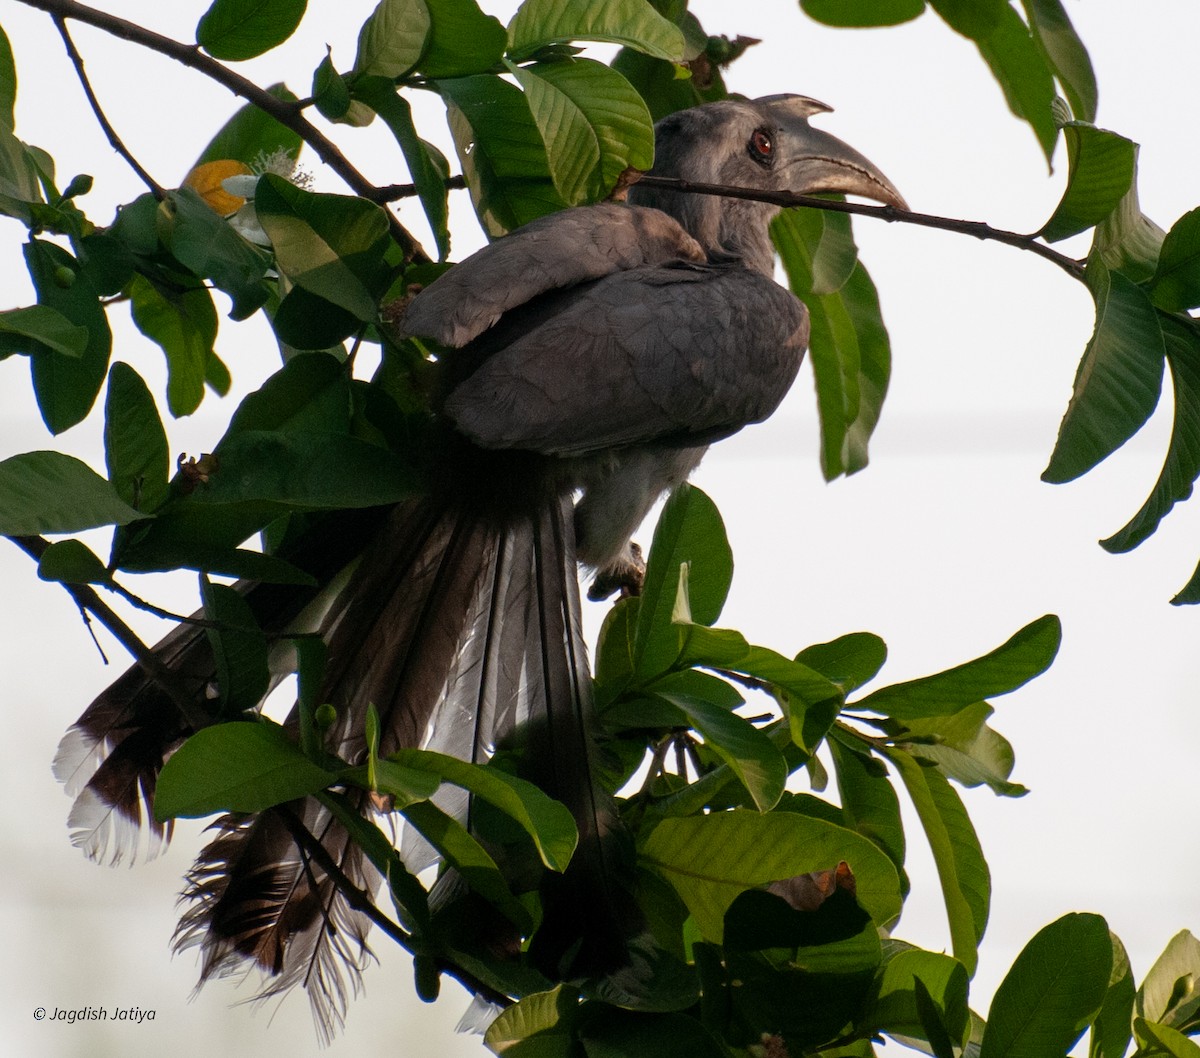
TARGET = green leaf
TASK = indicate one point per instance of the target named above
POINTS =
(870, 806)
(855, 13)
(1170, 992)
(182, 321)
(48, 492)
(536, 1026)
(462, 40)
(238, 645)
(430, 181)
(1064, 54)
(752, 756)
(1163, 1040)
(1119, 379)
(233, 30)
(1112, 1030)
(135, 444)
(20, 186)
(66, 387)
(615, 1033)
(1100, 174)
(848, 661)
(1176, 282)
(41, 327)
(710, 859)
(500, 150)
(392, 39)
(944, 979)
(8, 82)
(1128, 241)
(252, 135)
(1052, 992)
(849, 347)
(689, 530)
(962, 870)
(211, 249)
(72, 562)
(545, 820)
(331, 93)
(592, 121)
(633, 23)
(1027, 654)
(330, 245)
(244, 766)
(965, 748)
(463, 853)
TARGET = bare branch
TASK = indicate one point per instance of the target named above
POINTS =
(285, 113)
(891, 214)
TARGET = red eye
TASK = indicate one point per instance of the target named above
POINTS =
(760, 145)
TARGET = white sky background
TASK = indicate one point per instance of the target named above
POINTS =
(945, 545)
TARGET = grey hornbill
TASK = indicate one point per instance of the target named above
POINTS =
(595, 353)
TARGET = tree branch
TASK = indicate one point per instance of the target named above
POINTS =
(285, 113)
(117, 144)
(891, 214)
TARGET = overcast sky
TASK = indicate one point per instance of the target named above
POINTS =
(945, 546)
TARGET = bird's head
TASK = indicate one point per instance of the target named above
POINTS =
(765, 144)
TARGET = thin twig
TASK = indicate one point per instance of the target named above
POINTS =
(86, 599)
(892, 214)
(287, 114)
(118, 144)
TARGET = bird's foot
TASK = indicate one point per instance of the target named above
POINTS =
(626, 575)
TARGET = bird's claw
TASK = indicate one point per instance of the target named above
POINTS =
(626, 576)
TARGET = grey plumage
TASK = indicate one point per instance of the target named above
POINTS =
(597, 353)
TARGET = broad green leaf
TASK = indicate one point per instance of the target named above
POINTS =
(1052, 992)
(615, 1033)
(1027, 654)
(894, 1009)
(66, 387)
(462, 40)
(182, 321)
(252, 135)
(206, 244)
(40, 326)
(331, 245)
(331, 93)
(1176, 282)
(48, 492)
(392, 38)
(8, 82)
(238, 645)
(1163, 1040)
(1100, 173)
(135, 444)
(759, 766)
(962, 870)
(430, 181)
(462, 852)
(537, 1026)
(1170, 992)
(592, 121)
(974, 19)
(1112, 1030)
(545, 820)
(689, 530)
(243, 766)
(500, 150)
(1119, 379)
(848, 661)
(308, 393)
(658, 82)
(863, 12)
(870, 806)
(1065, 54)
(20, 187)
(965, 748)
(234, 30)
(633, 23)
(72, 562)
(710, 859)
(1128, 241)
(823, 247)
(305, 322)
(301, 470)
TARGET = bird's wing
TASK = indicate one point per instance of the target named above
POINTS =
(551, 253)
(682, 354)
